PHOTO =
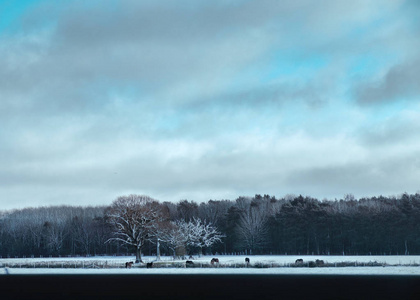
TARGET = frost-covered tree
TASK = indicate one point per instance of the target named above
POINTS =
(134, 219)
(198, 233)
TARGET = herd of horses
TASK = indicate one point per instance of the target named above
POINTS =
(129, 264)
(316, 263)
(215, 262)
(188, 263)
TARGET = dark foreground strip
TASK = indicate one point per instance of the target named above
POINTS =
(201, 287)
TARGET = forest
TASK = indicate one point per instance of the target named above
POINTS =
(262, 224)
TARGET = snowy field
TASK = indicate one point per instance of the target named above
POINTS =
(389, 265)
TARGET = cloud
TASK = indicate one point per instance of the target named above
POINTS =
(399, 83)
(239, 163)
(386, 176)
(402, 130)
(199, 99)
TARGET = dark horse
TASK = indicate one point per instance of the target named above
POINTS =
(214, 260)
(128, 264)
(319, 263)
(189, 264)
(149, 265)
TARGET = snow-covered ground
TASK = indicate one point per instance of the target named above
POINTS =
(392, 265)
(235, 259)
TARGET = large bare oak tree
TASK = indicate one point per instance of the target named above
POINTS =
(134, 219)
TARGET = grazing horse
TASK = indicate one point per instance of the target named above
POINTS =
(311, 264)
(299, 261)
(214, 260)
(247, 261)
(149, 265)
(189, 264)
(128, 264)
(319, 263)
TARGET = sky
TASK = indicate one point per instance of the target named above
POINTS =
(200, 100)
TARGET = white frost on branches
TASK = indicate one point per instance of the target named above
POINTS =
(135, 219)
(197, 233)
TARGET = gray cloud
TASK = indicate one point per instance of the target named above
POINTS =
(71, 67)
(274, 95)
(179, 101)
(396, 174)
(401, 82)
(395, 132)
(153, 48)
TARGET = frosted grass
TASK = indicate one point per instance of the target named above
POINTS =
(392, 265)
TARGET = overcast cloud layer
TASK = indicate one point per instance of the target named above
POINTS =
(204, 100)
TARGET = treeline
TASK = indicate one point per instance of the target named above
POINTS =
(57, 230)
(252, 225)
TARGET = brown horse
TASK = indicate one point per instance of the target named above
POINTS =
(214, 260)
(319, 263)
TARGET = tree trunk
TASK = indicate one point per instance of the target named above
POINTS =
(157, 250)
(307, 246)
(138, 255)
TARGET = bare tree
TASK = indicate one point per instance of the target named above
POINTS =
(55, 229)
(199, 234)
(54, 234)
(174, 238)
(160, 228)
(187, 210)
(134, 219)
(214, 211)
(252, 226)
(82, 230)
